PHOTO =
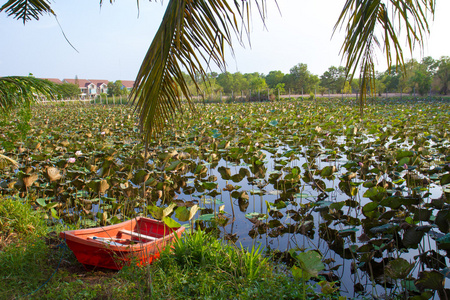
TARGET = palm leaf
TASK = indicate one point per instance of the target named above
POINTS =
(371, 24)
(21, 90)
(26, 10)
(192, 35)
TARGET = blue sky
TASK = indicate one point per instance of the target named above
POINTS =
(112, 40)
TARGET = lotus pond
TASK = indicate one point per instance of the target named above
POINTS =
(370, 194)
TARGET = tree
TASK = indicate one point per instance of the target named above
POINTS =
(116, 88)
(274, 78)
(301, 79)
(69, 90)
(280, 87)
(21, 91)
(443, 73)
(380, 87)
(256, 81)
(391, 78)
(225, 80)
(210, 85)
(423, 75)
(355, 85)
(194, 34)
(334, 79)
(347, 88)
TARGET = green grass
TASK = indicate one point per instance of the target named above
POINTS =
(17, 217)
(36, 265)
(21, 248)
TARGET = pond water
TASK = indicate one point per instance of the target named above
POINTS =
(246, 229)
(371, 195)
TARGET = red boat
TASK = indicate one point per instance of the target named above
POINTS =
(139, 239)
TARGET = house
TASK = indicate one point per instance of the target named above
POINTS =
(102, 85)
(92, 87)
(54, 80)
(88, 87)
(128, 84)
(84, 85)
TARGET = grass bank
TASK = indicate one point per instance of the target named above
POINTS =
(35, 264)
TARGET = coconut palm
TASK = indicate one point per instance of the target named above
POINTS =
(194, 34)
(18, 91)
(22, 90)
(378, 24)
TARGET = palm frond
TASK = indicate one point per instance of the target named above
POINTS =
(26, 10)
(21, 90)
(192, 34)
(380, 23)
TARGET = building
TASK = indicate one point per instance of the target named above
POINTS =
(54, 80)
(101, 85)
(128, 84)
(90, 87)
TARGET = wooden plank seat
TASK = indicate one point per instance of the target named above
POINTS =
(138, 235)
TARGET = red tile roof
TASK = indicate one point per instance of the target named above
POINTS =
(86, 82)
(54, 80)
(128, 83)
(81, 82)
(98, 82)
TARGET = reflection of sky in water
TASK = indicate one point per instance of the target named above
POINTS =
(257, 203)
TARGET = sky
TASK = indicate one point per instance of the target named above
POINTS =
(111, 41)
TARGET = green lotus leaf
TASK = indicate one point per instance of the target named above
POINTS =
(328, 171)
(160, 212)
(398, 268)
(171, 222)
(175, 165)
(376, 193)
(371, 206)
(273, 123)
(256, 215)
(209, 185)
(383, 228)
(445, 179)
(309, 264)
(347, 232)
(430, 280)
(206, 217)
(412, 238)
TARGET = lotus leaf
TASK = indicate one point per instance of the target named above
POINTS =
(171, 222)
(412, 238)
(52, 174)
(398, 268)
(28, 179)
(209, 185)
(376, 193)
(445, 179)
(309, 264)
(99, 185)
(256, 215)
(206, 217)
(161, 212)
(430, 280)
(183, 214)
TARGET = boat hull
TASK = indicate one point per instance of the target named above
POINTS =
(139, 240)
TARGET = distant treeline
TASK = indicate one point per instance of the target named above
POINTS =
(427, 76)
